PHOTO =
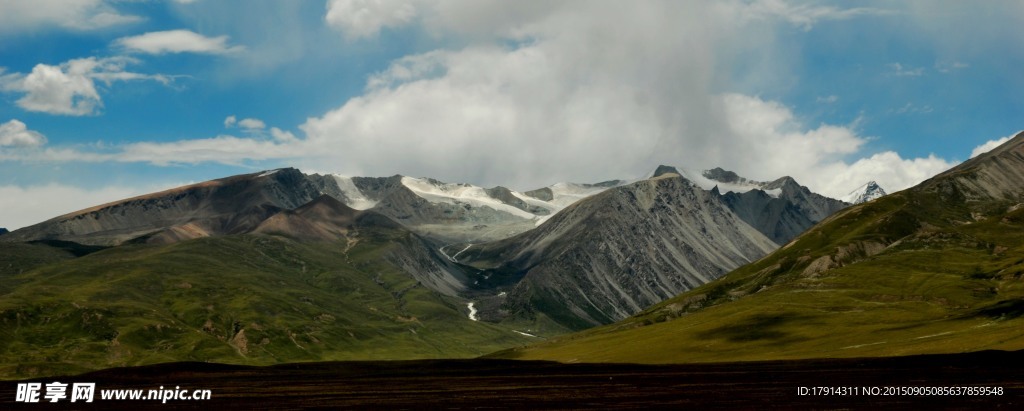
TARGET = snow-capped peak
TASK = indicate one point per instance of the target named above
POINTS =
(455, 193)
(726, 181)
(867, 192)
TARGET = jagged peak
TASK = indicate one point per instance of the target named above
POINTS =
(722, 175)
(866, 192)
(663, 169)
(781, 182)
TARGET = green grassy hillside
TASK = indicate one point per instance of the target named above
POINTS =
(934, 269)
(246, 299)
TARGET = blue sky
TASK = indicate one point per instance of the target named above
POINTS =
(100, 100)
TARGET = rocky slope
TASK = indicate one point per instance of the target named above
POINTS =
(781, 209)
(224, 206)
(935, 268)
(612, 254)
(669, 233)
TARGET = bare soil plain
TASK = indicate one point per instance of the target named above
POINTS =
(502, 384)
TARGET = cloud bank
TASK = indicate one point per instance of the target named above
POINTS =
(20, 15)
(533, 93)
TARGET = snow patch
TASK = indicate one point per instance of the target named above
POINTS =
(867, 192)
(268, 173)
(705, 183)
(472, 311)
(356, 198)
(565, 194)
(437, 192)
(526, 334)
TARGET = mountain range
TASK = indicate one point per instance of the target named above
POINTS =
(935, 268)
(453, 258)
(281, 266)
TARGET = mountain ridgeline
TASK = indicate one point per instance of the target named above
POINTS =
(361, 262)
(936, 268)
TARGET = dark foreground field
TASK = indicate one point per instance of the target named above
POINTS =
(455, 384)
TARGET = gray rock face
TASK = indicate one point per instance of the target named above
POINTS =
(611, 255)
(725, 176)
(597, 260)
(782, 218)
(224, 206)
(997, 175)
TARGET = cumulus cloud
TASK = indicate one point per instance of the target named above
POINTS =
(888, 169)
(991, 144)
(283, 136)
(16, 134)
(252, 124)
(365, 18)
(70, 88)
(578, 91)
(176, 41)
(18, 15)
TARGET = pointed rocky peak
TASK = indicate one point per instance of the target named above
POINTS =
(323, 206)
(715, 192)
(544, 194)
(663, 169)
(500, 193)
(722, 175)
(784, 182)
(864, 193)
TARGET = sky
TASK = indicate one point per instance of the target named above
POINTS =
(106, 99)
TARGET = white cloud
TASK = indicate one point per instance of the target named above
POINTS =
(897, 69)
(888, 169)
(18, 15)
(283, 136)
(946, 67)
(16, 134)
(70, 88)
(828, 99)
(576, 91)
(252, 124)
(805, 15)
(365, 18)
(911, 108)
(177, 41)
(991, 144)
(24, 206)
